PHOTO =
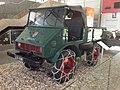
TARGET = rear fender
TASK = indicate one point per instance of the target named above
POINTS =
(72, 47)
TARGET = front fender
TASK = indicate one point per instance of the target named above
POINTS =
(72, 47)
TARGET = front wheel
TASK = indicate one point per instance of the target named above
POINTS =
(64, 68)
(92, 55)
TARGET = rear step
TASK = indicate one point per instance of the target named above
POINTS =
(11, 54)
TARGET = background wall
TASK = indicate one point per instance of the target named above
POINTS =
(108, 6)
(96, 4)
(10, 8)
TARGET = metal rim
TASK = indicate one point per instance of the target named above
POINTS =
(64, 68)
(67, 67)
(92, 56)
(95, 54)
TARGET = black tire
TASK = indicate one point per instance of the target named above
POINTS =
(64, 68)
(92, 55)
(32, 65)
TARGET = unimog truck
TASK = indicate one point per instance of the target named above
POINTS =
(57, 35)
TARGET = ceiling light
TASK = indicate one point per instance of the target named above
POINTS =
(1, 3)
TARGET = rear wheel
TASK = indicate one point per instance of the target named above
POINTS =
(64, 68)
(32, 65)
(92, 55)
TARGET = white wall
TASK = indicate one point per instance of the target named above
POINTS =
(87, 3)
(110, 23)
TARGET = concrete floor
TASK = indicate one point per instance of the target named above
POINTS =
(115, 73)
(4, 58)
(3, 54)
(105, 76)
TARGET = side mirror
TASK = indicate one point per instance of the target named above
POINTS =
(69, 15)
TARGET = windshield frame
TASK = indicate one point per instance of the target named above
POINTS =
(55, 15)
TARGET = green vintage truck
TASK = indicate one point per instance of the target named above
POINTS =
(57, 35)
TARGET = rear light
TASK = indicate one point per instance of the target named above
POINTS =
(19, 44)
(28, 47)
(38, 50)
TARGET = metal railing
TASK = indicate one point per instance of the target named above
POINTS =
(10, 35)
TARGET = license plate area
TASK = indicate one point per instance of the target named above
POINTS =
(17, 57)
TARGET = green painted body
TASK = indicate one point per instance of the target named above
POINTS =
(51, 39)
(48, 39)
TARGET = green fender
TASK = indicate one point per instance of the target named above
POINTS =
(72, 47)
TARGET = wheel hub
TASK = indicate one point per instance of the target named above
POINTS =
(68, 65)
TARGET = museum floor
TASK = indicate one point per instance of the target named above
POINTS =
(105, 76)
